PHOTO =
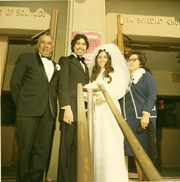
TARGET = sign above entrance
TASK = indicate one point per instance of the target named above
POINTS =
(151, 25)
(144, 28)
(23, 18)
(19, 12)
(153, 20)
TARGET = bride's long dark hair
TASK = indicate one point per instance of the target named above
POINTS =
(97, 69)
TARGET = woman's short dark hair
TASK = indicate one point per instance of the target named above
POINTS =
(76, 38)
(141, 56)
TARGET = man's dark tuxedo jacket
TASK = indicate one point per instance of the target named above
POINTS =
(71, 74)
(30, 88)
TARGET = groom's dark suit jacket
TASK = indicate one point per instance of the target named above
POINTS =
(30, 88)
(71, 74)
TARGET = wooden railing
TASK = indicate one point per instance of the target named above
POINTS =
(84, 158)
(85, 147)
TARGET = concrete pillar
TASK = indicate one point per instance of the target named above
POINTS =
(86, 15)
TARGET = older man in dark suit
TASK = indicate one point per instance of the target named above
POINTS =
(33, 85)
(73, 71)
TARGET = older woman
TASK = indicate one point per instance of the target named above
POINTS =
(138, 105)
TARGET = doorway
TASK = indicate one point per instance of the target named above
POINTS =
(16, 46)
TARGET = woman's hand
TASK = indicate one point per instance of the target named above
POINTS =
(68, 115)
(145, 120)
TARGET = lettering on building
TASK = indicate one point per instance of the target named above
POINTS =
(152, 20)
(21, 12)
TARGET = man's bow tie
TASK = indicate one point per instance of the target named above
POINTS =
(49, 58)
(81, 59)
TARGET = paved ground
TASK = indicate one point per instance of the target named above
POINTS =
(168, 175)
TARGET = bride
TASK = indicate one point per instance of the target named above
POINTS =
(110, 69)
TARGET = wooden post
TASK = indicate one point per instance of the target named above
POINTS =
(120, 34)
(84, 163)
(90, 118)
(144, 161)
(90, 122)
(53, 28)
(4, 42)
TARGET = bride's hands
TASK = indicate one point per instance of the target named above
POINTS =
(99, 98)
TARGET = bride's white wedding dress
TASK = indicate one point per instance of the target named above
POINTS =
(109, 160)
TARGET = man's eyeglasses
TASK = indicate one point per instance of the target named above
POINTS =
(132, 59)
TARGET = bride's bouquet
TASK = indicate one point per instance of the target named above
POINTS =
(97, 95)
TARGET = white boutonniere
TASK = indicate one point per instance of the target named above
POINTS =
(57, 67)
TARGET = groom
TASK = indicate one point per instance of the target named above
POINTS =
(73, 71)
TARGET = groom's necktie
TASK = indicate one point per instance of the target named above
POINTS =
(81, 59)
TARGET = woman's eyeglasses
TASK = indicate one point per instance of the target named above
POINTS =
(132, 59)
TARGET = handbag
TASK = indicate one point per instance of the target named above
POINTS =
(151, 141)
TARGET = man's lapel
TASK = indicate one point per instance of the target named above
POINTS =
(41, 65)
(87, 74)
(76, 62)
(55, 71)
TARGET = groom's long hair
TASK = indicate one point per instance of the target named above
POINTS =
(97, 69)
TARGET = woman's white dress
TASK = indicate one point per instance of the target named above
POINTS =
(109, 160)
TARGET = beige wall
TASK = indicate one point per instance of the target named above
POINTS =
(144, 7)
(170, 147)
(165, 86)
(88, 15)
(6, 85)
(7, 144)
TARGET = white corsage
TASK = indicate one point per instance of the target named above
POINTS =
(137, 75)
(57, 67)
